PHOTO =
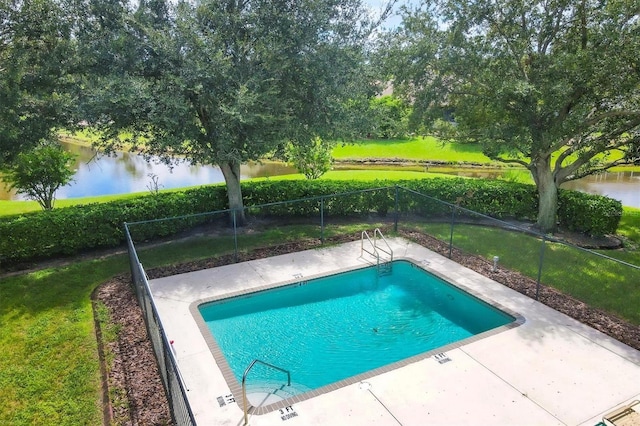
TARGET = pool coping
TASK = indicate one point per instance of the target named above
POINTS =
(236, 387)
(551, 370)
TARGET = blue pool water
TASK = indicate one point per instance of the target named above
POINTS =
(332, 328)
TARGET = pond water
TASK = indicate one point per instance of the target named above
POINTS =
(623, 186)
(128, 173)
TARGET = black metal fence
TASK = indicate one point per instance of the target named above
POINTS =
(171, 378)
(314, 221)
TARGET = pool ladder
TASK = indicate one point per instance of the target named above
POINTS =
(384, 265)
(244, 384)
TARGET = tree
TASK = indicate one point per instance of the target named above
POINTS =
(312, 159)
(36, 59)
(221, 82)
(38, 173)
(553, 86)
(389, 116)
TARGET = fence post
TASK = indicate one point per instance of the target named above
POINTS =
(322, 220)
(397, 213)
(540, 262)
(453, 219)
(235, 237)
(169, 384)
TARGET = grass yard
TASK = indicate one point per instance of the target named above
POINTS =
(418, 148)
(629, 226)
(415, 148)
(595, 280)
(49, 372)
(8, 208)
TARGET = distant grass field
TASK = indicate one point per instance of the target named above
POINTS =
(417, 148)
(8, 208)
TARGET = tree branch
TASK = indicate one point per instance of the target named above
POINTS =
(573, 99)
(384, 14)
(547, 39)
(497, 26)
(585, 157)
(594, 170)
(563, 155)
(611, 114)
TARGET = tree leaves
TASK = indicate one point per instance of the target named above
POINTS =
(528, 80)
(36, 58)
(39, 173)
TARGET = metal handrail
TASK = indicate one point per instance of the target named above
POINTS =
(244, 384)
(373, 253)
(377, 232)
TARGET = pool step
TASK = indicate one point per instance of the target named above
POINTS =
(385, 268)
(265, 393)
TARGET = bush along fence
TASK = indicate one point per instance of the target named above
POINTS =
(398, 208)
(73, 230)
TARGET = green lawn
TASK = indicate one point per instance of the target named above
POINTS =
(416, 148)
(8, 208)
(49, 373)
(419, 148)
(599, 282)
(629, 226)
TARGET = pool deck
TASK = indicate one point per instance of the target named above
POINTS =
(551, 370)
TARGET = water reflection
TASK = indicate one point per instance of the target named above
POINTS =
(127, 173)
(623, 186)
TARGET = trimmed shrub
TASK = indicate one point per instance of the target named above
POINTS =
(593, 215)
(75, 229)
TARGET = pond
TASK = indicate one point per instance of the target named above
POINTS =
(128, 173)
(623, 186)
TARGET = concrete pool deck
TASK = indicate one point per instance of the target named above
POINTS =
(551, 370)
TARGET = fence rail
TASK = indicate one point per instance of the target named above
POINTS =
(167, 365)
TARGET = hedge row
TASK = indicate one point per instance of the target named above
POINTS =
(577, 211)
(75, 229)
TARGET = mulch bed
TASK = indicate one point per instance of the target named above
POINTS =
(134, 371)
(133, 385)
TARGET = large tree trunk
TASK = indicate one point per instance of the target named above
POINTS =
(231, 172)
(547, 195)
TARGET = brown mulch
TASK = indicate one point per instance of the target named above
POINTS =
(134, 371)
(135, 392)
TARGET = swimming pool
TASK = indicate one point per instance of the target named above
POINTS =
(342, 328)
